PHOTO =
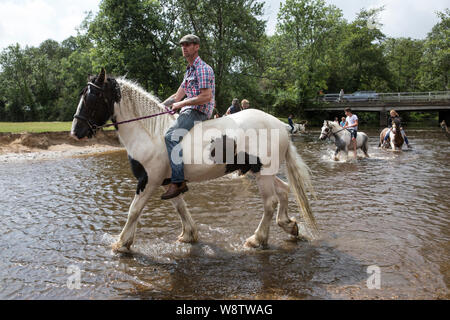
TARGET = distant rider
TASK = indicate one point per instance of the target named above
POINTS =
(351, 124)
(393, 116)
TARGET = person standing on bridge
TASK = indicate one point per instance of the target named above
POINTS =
(199, 87)
(341, 96)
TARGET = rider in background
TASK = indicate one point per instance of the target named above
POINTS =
(393, 116)
(291, 123)
(351, 124)
(235, 107)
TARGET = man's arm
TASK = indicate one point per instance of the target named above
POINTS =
(175, 97)
(204, 97)
(354, 125)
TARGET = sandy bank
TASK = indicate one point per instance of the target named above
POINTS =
(53, 145)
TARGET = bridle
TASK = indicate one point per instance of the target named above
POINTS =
(330, 132)
(94, 127)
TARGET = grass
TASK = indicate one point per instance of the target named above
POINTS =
(20, 127)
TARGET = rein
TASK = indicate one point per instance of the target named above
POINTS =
(136, 119)
(334, 133)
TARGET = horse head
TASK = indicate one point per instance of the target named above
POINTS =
(326, 130)
(396, 131)
(96, 105)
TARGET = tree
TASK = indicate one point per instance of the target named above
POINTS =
(302, 52)
(132, 37)
(404, 60)
(231, 34)
(15, 83)
(435, 71)
(364, 66)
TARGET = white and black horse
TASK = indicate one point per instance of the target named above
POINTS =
(343, 139)
(119, 99)
(395, 138)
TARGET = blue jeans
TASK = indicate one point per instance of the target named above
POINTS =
(403, 135)
(174, 136)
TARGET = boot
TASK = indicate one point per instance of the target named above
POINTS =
(175, 189)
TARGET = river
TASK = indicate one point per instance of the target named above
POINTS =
(388, 213)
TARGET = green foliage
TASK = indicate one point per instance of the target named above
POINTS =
(314, 49)
(302, 52)
(231, 35)
(435, 71)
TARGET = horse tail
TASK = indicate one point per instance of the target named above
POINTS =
(300, 181)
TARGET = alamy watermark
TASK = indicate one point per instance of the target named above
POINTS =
(74, 280)
(234, 146)
(374, 280)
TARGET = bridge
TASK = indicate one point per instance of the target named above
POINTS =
(437, 101)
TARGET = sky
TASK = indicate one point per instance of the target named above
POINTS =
(29, 22)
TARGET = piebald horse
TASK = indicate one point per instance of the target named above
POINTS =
(120, 99)
(343, 139)
(395, 138)
(298, 128)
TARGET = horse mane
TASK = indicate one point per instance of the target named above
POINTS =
(334, 124)
(140, 103)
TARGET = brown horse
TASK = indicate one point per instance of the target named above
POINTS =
(395, 137)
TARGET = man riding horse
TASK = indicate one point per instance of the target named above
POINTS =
(199, 87)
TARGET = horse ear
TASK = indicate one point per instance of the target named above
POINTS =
(102, 76)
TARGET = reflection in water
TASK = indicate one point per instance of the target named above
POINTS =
(390, 210)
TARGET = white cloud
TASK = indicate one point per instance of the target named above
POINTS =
(29, 22)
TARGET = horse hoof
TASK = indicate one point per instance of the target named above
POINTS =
(119, 248)
(253, 243)
(184, 239)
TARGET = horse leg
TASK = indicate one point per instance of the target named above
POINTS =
(365, 147)
(189, 232)
(283, 220)
(126, 237)
(336, 154)
(267, 190)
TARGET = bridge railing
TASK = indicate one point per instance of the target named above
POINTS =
(414, 96)
(392, 97)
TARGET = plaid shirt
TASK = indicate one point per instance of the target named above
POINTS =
(199, 76)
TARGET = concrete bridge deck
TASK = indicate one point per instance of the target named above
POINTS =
(384, 102)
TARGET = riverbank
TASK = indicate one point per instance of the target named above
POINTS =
(51, 145)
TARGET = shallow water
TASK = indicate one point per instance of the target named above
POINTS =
(391, 210)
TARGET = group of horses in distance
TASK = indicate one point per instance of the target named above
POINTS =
(344, 143)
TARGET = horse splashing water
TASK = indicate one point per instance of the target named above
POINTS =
(247, 141)
(343, 139)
